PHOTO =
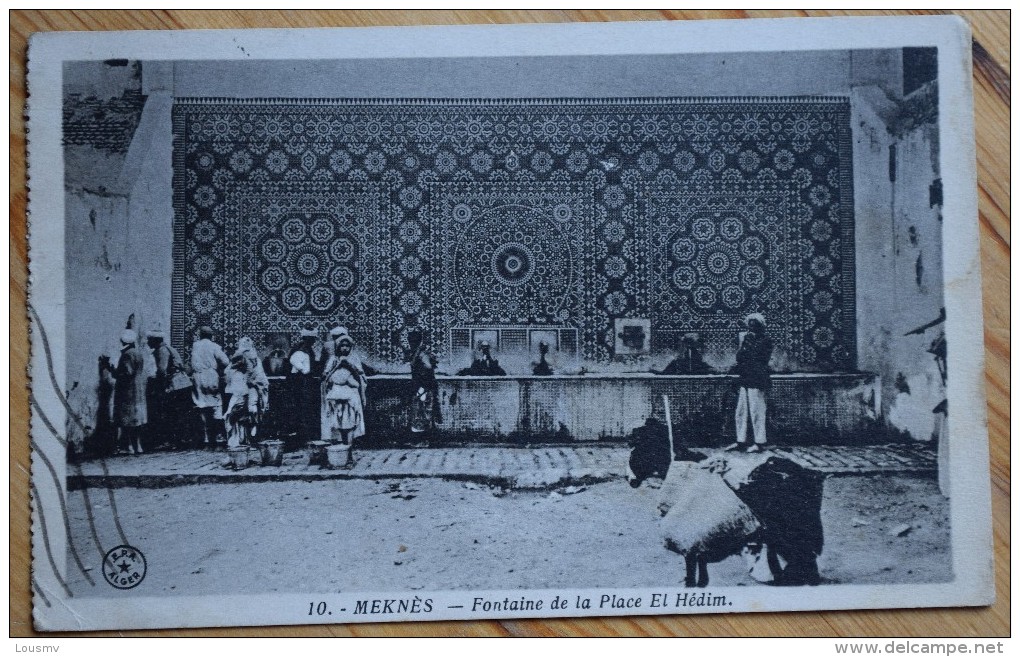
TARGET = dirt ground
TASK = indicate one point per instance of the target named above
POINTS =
(428, 534)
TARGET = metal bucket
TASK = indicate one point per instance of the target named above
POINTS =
(238, 457)
(338, 456)
(271, 452)
(317, 452)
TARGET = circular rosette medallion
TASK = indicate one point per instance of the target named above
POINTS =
(308, 264)
(512, 264)
(718, 263)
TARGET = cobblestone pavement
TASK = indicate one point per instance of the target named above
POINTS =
(516, 467)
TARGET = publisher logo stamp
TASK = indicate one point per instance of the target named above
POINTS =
(124, 567)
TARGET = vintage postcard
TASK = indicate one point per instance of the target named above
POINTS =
(335, 326)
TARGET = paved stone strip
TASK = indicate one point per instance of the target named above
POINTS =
(863, 460)
(506, 466)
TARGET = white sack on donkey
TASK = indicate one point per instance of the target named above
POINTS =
(704, 520)
(715, 510)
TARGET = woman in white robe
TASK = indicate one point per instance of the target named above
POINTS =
(248, 388)
(344, 384)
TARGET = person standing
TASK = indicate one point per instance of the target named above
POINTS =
(303, 381)
(248, 388)
(345, 384)
(208, 363)
(752, 370)
(104, 439)
(168, 382)
(130, 412)
(425, 413)
(276, 364)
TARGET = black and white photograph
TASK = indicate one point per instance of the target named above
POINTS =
(337, 330)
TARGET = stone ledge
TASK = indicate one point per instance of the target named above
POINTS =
(505, 467)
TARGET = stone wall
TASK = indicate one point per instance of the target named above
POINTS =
(803, 409)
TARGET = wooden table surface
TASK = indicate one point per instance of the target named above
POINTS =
(991, 103)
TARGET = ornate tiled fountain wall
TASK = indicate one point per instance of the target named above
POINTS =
(385, 215)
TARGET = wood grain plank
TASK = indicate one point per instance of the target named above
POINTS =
(991, 33)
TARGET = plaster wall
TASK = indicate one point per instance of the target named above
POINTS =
(119, 219)
(148, 175)
(899, 260)
(97, 307)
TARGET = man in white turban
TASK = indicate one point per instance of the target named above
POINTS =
(752, 370)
